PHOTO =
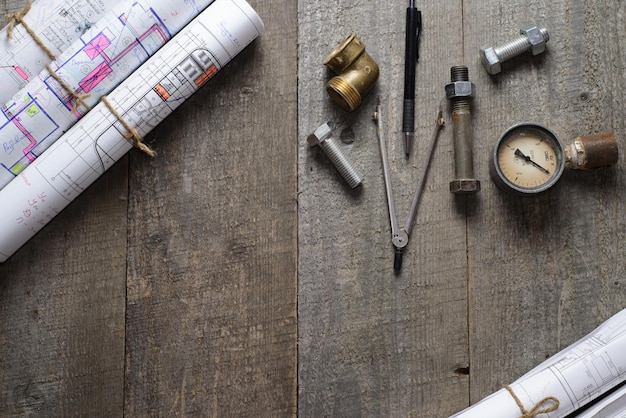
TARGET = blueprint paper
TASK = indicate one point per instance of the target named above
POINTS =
(613, 406)
(97, 141)
(575, 376)
(95, 64)
(57, 23)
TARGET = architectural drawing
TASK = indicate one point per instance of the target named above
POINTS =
(144, 99)
(58, 23)
(93, 65)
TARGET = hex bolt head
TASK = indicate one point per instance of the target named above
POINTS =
(537, 38)
(533, 39)
(321, 134)
(460, 90)
(490, 60)
(323, 138)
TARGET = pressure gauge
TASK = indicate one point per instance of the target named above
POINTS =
(527, 159)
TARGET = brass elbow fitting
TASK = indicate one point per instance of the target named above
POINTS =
(356, 73)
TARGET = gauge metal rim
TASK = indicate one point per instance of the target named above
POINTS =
(500, 179)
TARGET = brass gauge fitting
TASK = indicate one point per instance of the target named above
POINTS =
(356, 73)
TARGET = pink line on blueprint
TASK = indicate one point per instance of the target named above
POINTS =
(21, 73)
(97, 47)
(31, 139)
(95, 77)
(153, 28)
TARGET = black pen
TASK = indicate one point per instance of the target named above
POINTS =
(413, 30)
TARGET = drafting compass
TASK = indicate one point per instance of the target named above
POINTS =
(400, 236)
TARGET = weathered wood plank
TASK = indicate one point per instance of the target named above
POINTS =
(211, 321)
(212, 270)
(544, 271)
(372, 343)
(62, 307)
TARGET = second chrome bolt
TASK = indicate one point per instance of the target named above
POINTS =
(532, 39)
(460, 93)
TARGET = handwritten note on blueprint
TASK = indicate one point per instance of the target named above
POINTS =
(57, 23)
(144, 99)
(575, 376)
(95, 64)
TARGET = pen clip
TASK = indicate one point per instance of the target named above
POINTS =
(418, 35)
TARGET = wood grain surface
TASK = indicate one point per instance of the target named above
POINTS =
(235, 274)
(169, 287)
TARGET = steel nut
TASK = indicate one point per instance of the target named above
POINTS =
(320, 134)
(490, 60)
(537, 37)
(465, 186)
(460, 90)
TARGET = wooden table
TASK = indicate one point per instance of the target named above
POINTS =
(236, 275)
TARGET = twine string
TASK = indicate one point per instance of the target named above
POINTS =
(18, 18)
(79, 99)
(537, 408)
(132, 134)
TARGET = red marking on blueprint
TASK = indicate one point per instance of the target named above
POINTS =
(18, 70)
(95, 77)
(21, 73)
(205, 76)
(97, 46)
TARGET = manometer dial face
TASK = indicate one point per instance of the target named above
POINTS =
(527, 159)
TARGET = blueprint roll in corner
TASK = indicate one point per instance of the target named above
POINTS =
(91, 67)
(144, 99)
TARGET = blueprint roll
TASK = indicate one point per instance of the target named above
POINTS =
(576, 376)
(91, 67)
(144, 99)
(57, 23)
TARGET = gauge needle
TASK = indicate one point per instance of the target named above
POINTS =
(529, 160)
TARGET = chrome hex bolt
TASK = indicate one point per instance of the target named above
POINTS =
(460, 93)
(323, 138)
(533, 39)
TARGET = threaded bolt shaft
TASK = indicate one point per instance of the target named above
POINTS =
(518, 46)
(331, 147)
(459, 73)
(512, 49)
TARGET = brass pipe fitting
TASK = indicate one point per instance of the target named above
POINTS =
(356, 73)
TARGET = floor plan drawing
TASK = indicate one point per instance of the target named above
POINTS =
(58, 23)
(92, 66)
(144, 99)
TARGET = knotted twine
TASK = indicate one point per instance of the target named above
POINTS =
(535, 410)
(18, 18)
(79, 99)
(132, 134)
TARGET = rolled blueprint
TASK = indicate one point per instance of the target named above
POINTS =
(57, 23)
(613, 406)
(93, 65)
(575, 376)
(97, 141)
